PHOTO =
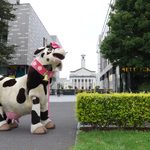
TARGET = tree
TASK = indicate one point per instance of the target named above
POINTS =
(128, 40)
(5, 15)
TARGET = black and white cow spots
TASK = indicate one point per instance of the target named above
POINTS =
(9, 83)
(21, 97)
(1, 78)
(28, 94)
(35, 117)
(44, 115)
(1, 117)
(35, 113)
(42, 55)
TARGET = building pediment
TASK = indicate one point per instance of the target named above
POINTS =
(82, 72)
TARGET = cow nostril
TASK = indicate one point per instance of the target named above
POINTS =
(58, 55)
(59, 65)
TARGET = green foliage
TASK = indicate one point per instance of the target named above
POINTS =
(5, 15)
(123, 110)
(6, 10)
(128, 40)
(5, 53)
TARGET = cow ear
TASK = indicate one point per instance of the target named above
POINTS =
(39, 50)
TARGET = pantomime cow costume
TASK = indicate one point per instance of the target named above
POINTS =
(28, 94)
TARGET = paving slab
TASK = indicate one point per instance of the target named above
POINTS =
(61, 138)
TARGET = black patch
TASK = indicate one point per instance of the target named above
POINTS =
(60, 56)
(5, 117)
(36, 100)
(47, 59)
(45, 86)
(48, 53)
(34, 79)
(2, 78)
(35, 117)
(9, 121)
(44, 115)
(42, 55)
(1, 118)
(39, 50)
(21, 96)
(9, 83)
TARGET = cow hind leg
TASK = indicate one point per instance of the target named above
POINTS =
(4, 126)
(37, 127)
(46, 121)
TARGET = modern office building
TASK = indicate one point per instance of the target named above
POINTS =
(131, 79)
(28, 33)
(83, 78)
(109, 77)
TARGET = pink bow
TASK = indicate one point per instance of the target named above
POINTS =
(55, 45)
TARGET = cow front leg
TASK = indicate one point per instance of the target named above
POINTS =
(3, 123)
(36, 127)
(46, 121)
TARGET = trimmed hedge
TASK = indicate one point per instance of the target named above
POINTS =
(121, 110)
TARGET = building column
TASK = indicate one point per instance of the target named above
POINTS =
(84, 84)
(73, 83)
(87, 83)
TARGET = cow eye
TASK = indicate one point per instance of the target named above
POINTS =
(49, 51)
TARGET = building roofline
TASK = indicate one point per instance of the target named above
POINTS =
(80, 69)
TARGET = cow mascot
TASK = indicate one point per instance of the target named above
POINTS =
(28, 94)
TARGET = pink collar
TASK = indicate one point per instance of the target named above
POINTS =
(41, 69)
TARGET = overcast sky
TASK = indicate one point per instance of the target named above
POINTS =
(77, 24)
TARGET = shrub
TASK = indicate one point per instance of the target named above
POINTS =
(122, 110)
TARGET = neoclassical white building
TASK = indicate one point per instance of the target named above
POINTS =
(83, 78)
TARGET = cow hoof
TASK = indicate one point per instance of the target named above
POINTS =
(50, 125)
(40, 130)
(5, 127)
(13, 125)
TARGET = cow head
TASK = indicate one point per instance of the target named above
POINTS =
(51, 56)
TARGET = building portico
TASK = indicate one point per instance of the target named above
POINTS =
(83, 78)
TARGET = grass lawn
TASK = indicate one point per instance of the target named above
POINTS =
(113, 140)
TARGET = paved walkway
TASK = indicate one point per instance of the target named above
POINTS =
(62, 98)
(61, 138)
